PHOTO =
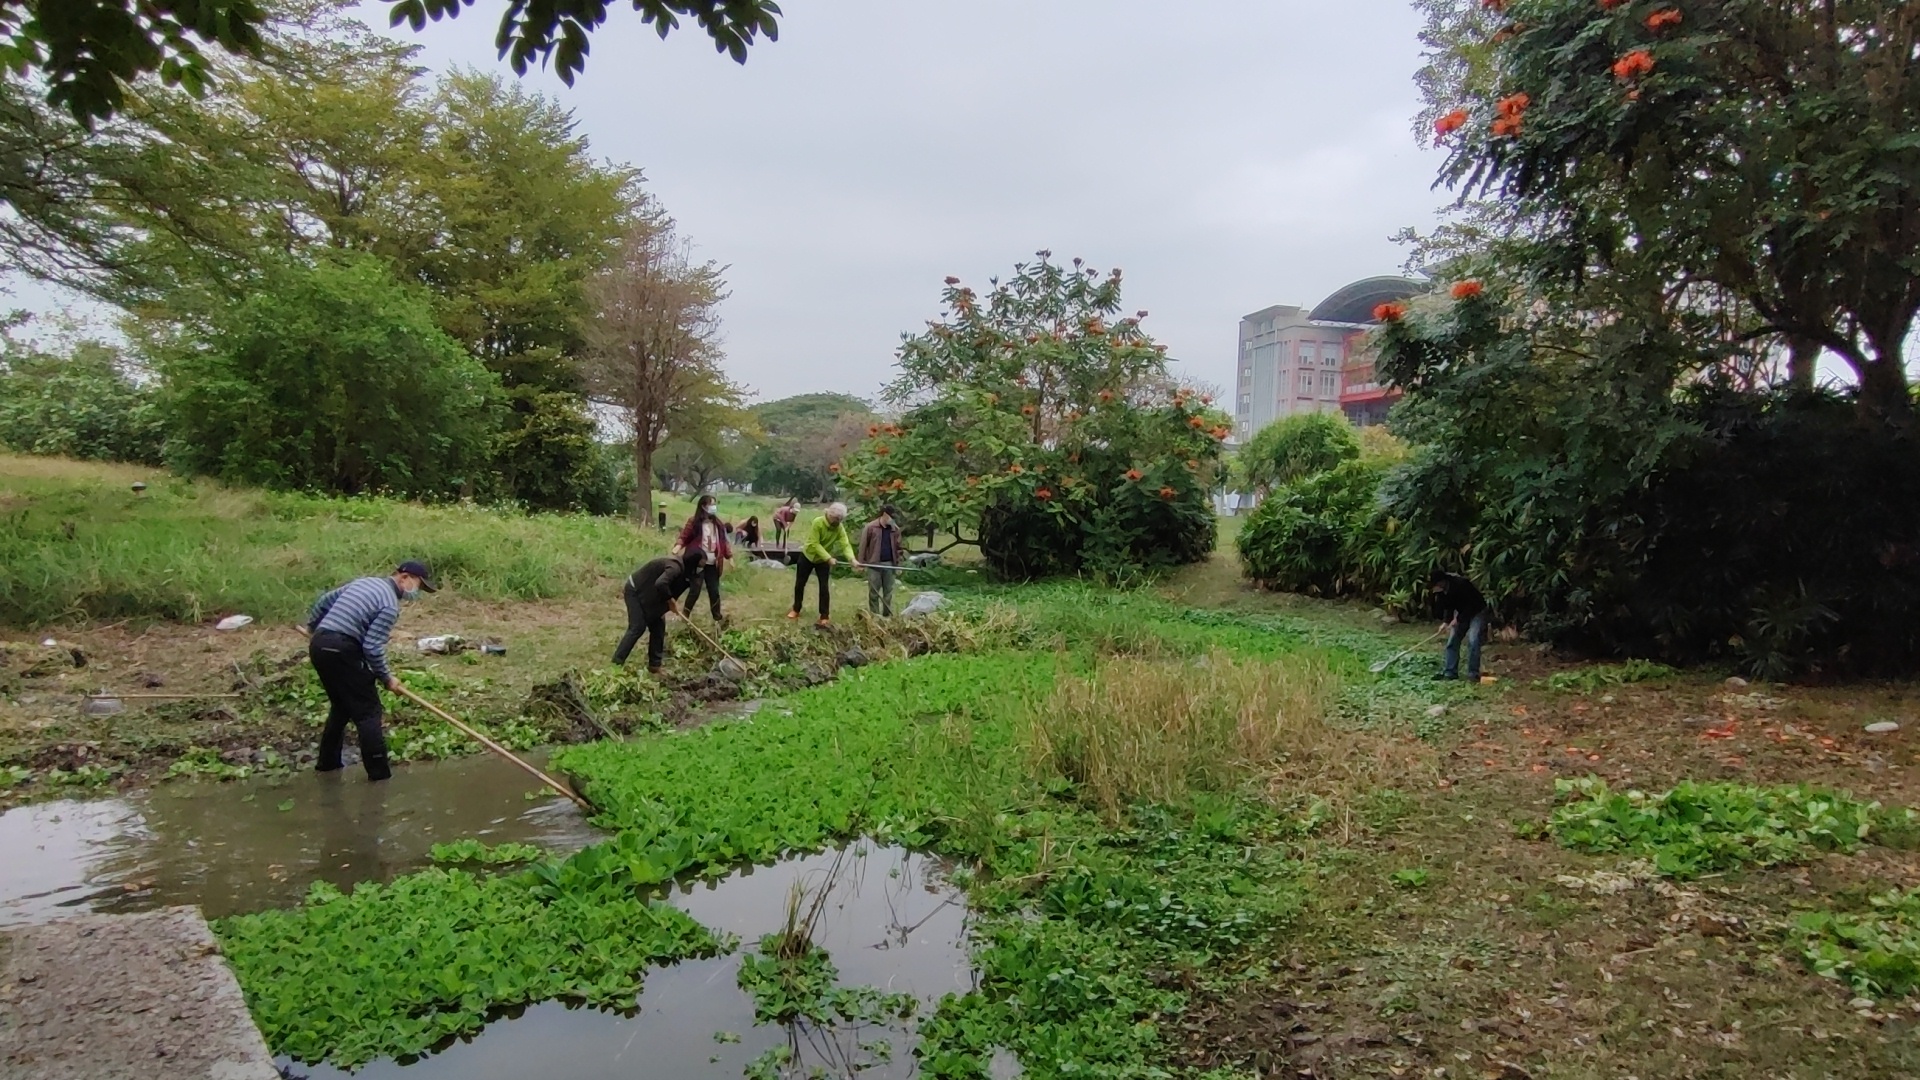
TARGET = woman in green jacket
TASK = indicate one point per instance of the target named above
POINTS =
(826, 538)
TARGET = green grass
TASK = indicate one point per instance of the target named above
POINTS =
(76, 542)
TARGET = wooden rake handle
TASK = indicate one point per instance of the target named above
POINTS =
(585, 806)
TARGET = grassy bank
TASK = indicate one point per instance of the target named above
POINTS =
(76, 542)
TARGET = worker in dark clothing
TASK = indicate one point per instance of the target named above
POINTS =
(347, 632)
(1463, 613)
(651, 592)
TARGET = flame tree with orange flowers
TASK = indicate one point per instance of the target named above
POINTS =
(1767, 149)
(1041, 424)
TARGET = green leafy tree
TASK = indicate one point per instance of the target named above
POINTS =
(333, 377)
(1046, 427)
(802, 438)
(84, 403)
(1762, 149)
(1295, 447)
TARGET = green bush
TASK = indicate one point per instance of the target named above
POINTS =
(84, 405)
(332, 377)
(1293, 448)
(1327, 535)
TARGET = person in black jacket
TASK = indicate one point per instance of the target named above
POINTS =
(1463, 614)
(651, 592)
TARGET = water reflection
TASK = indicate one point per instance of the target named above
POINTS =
(889, 921)
(243, 846)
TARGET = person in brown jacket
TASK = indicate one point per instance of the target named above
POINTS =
(881, 552)
(704, 531)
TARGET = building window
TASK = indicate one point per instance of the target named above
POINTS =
(1331, 356)
(1306, 352)
(1246, 399)
(1246, 373)
(1306, 382)
(1326, 383)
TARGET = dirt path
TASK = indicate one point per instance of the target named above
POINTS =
(125, 997)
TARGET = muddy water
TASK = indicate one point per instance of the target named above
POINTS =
(246, 845)
(890, 922)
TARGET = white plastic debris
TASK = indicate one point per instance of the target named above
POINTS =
(50, 643)
(233, 622)
(924, 559)
(767, 564)
(1882, 727)
(440, 644)
(923, 605)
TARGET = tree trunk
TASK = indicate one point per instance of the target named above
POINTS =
(642, 483)
(1885, 397)
(1803, 361)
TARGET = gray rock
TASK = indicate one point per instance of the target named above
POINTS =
(924, 604)
(1736, 683)
(1436, 712)
(1882, 727)
(854, 657)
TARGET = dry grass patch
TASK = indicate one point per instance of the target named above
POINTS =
(1135, 730)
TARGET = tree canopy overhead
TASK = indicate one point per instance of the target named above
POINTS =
(89, 53)
(1767, 148)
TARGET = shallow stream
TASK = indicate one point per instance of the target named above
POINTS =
(890, 919)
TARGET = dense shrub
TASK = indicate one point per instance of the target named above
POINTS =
(1296, 447)
(1329, 535)
(332, 377)
(83, 405)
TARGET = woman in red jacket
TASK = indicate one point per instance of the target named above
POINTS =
(707, 532)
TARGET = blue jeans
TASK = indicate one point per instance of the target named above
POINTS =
(1476, 633)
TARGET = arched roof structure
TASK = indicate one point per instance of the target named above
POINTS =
(1355, 302)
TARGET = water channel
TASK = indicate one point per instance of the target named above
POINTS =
(890, 919)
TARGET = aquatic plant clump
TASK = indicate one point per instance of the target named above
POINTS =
(1698, 828)
(1876, 952)
(394, 969)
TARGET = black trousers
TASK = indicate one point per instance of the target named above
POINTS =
(643, 620)
(804, 566)
(353, 696)
(709, 580)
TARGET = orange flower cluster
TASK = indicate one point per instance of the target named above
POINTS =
(951, 280)
(883, 449)
(1106, 395)
(960, 448)
(1135, 475)
(1043, 493)
(1193, 463)
(1633, 65)
(1609, 5)
(872, 430)
(899, 485)
(1664, 19)
(973, 481)
(1167, 493)
(1494, 5)
(1467, 290)
(1389, 312)
(1512, 109)
(1450, 123)
(834, 468)
(1220, 433)
(1016, 468)
(1026, 410)
(1196, 422)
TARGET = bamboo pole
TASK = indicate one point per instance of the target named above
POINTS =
(476, 736)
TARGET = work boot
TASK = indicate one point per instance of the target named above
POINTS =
(1444, 677)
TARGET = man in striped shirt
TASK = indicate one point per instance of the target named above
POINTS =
(348, 630)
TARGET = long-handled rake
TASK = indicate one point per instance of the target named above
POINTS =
(717, 647)
(476, 736)
(1383, 665)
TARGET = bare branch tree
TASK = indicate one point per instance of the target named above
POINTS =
(653, 347)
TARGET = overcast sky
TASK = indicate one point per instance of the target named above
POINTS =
(1226, 155)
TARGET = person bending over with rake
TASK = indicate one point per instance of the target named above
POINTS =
(652, 593)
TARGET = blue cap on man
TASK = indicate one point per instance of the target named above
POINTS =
(419, 570)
